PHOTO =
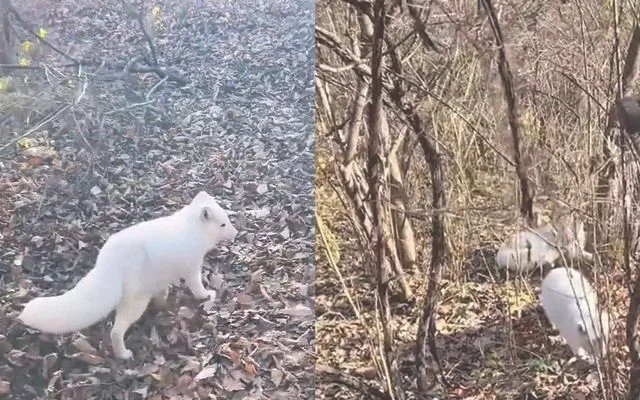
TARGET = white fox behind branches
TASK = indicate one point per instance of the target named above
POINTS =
(571, 305)
(533, 247)
(133, 267)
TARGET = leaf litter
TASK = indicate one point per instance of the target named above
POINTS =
(123, 153)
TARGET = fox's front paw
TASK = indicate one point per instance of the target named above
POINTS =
(125, 355)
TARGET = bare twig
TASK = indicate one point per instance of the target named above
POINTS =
(152, 48)
(42, 123)
(420, 27)
(41, 39)
(526, 207)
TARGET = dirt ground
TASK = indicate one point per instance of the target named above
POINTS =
(84, 153)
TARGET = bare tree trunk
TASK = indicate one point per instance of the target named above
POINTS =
(426, 351)
(400, 253)
(425, 341)
(403, 230)
(379, 146)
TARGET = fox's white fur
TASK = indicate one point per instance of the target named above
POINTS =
(531, 248)
(134, 266)
(528, 249)
(571, 304)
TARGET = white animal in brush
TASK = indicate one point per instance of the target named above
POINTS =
(531, 248)
(571, 305)
(133, 267)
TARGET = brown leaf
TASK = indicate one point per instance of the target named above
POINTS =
(5, 387)
(183, 382)
(244, 298)
(83, 345)
(231, 385)
(216, 281)
(206, 373)
(36, 161)
(148, 369)
(255, 282)
(250, 369)
(142, 392)
(234, 356)
(276, 377)
(299, 311)
(88, 358)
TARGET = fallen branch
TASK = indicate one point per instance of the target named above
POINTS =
(128, 67)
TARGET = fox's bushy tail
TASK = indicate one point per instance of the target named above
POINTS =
(91, 300)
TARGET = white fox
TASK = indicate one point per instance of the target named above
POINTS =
(532, 248)
(134, 266)
(529, 249)
(571, 305)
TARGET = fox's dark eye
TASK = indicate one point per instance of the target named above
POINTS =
(223, 225)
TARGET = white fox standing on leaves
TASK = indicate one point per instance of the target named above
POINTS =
(542, 243)
(571, 305)
(133, 267)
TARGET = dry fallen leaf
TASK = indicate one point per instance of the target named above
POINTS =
(142, 391)
(299, 310)
(216, 281)
(206, 373)
(234, 356)
(255, 281)
(232, 385)
(250, 369)
(262, 189)
(276, 376)
(259, 213)
(82, 345)
(244, 298)
(5, 387)
(88, 358)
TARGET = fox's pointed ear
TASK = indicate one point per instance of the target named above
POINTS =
(206, 214)
(200, 196)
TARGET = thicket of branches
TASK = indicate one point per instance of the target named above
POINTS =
(491, 108)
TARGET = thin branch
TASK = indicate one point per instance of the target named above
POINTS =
(526, 208)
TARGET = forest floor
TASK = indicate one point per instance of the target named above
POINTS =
(493, 338)
(86, 153)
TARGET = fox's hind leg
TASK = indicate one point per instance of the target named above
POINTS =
(128, 312)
